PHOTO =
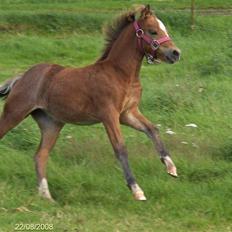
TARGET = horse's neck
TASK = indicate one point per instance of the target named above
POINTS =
(126, 56)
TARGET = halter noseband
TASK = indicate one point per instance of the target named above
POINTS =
(149, 40)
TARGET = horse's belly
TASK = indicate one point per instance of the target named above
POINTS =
(74, 115)
(78, 118)
(86, 123)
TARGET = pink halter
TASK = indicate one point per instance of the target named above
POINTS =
(149, 40)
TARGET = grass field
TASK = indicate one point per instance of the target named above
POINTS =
(86, 181)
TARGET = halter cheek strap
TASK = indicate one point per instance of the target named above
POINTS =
(149, 40)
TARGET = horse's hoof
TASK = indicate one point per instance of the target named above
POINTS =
(47, 197)
(173, 172)
(51, 200)
(138, 193)
(171, 168)
(139, 196)
(44, 191)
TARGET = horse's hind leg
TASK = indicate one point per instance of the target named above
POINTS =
(50, 130)
(13, 113)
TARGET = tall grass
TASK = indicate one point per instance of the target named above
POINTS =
(85, 179)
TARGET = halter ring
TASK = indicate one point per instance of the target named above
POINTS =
(139, 33)
(155, 44)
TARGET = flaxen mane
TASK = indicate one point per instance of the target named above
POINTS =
(112, 31)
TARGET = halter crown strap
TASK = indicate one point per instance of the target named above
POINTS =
(148, 39)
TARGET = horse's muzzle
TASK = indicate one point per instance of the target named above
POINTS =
(172, 55)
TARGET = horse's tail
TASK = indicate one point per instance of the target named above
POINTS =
(6, 87)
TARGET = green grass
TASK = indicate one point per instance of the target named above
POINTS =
(85, 180)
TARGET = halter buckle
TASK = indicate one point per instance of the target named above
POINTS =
(155, 44)
(139, 33)
(150, 59)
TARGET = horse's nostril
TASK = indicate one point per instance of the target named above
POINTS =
(176, 53)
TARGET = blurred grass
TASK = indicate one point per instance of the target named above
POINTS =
(85, 180)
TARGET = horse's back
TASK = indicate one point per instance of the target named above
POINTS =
(34, 83)
(40, 71)
(37, 74)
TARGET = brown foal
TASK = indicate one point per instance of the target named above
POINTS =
(107, 91)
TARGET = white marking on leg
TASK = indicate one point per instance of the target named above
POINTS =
(138, 193)
(44, 190)
(162, 27)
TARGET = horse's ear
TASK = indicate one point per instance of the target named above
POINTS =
(146, 11)
(135, 12)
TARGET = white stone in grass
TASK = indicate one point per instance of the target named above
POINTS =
(68, 137)
(195, 145)
(191, 125)
(170, 132)
(184, 142)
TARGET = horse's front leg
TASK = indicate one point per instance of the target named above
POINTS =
(112, 126)
(136, 120)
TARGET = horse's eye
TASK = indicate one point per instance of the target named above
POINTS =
(152, 32)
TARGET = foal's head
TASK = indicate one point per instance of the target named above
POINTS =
(152, 35)
(154, 29)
